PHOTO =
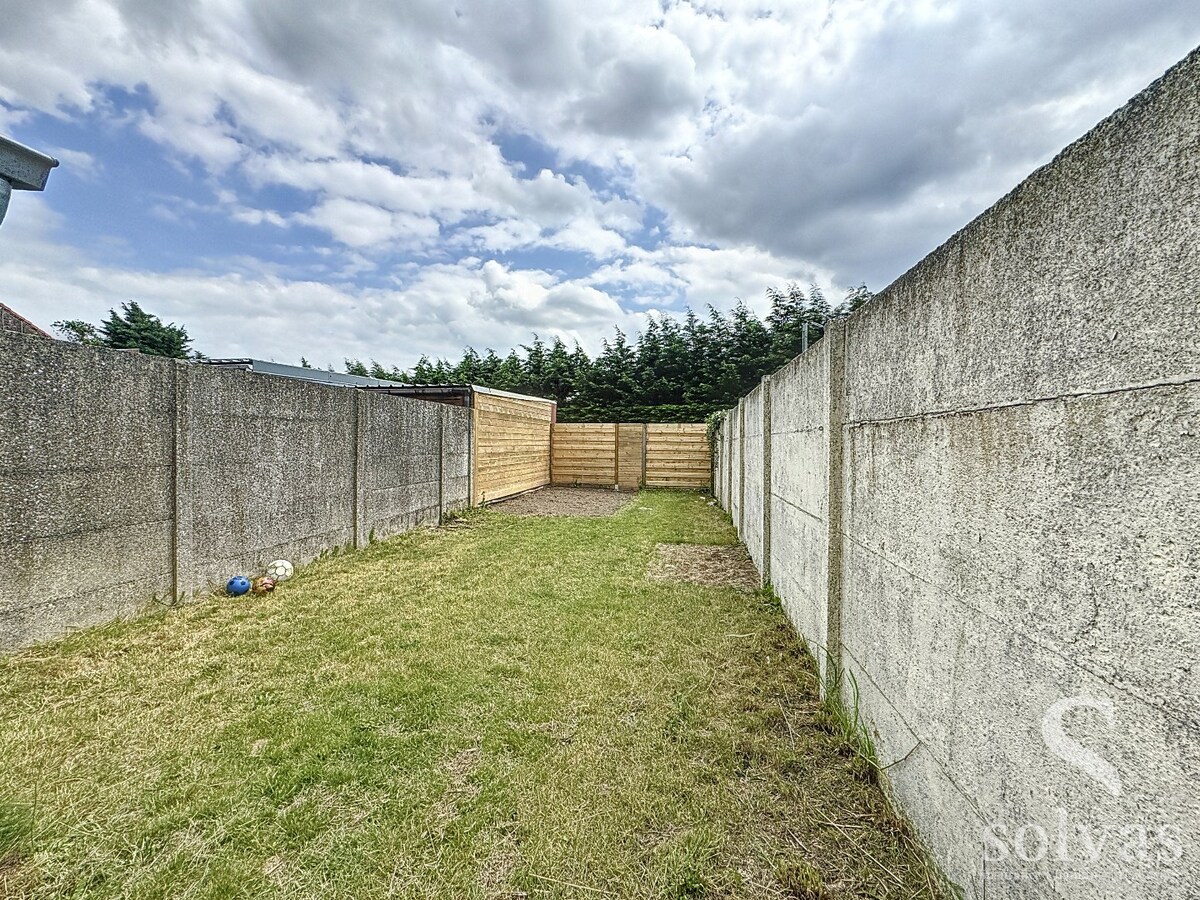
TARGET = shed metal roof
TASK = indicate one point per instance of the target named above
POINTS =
(324, 376)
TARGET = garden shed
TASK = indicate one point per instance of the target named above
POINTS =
(510, 435)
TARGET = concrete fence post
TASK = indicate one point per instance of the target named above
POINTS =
(726, 464)
(766, 481)
(441, 466)
(361, 531)
(741, 522)
(472, 452)
(182, 563)
(835, 341)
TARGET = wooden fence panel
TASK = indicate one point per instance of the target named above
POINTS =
(512, 445)
(584, 454)
(677, 456)
(631, 455)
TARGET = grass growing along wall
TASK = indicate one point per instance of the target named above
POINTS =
(498, 708)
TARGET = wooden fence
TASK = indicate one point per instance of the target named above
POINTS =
(512, 444)
(629, 456)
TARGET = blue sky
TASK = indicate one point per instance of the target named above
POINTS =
(383, 180)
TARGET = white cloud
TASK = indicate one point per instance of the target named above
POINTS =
(817, 141)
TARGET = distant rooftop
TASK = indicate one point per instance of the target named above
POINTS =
(443, 391)
(323, 376)
(11, 320)
(440, 392)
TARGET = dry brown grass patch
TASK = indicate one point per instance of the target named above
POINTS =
(566, 501)
(712, 565)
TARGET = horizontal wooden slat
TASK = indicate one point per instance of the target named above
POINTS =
(512, 445)
(667, 454)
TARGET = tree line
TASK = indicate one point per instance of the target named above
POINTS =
(675, 370)
(131, 329)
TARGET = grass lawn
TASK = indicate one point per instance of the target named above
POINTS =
(504, 708)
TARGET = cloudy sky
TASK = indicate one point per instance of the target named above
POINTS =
(385, 178)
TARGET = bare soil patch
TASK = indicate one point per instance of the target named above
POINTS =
(718, 566)
(566, 501)
(460, 788)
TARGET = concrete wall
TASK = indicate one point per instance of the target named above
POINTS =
(799, 499)
(400, 472)
(457, 460)
(752, 497)
(87, 456)
(266, 471)
(726, 443)
(985, 500)
(125, 478)
(734, 422)
(718, 462)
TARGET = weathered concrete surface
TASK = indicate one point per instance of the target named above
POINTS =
(1015, 579)
(456, 458)
(1023, 505)
(995, 564)
(799, 492)
(268, 472)
(752, 495)
(125, 478)
(1083, 279)
(718, 468)
(735, 465)
(86, 462)
(399, 477)
(723, 462)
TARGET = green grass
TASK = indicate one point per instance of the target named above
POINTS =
(501, 710)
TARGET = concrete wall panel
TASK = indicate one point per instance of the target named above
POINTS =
(799, 492)
(399, 473)
(1027, 514)
(752, 449)
(1099, 252)
(86, 462)
(735, 508)
(956, 704)
(268, 471)
(456, 458)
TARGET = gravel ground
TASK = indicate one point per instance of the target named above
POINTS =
(722, 566)
(566, 501)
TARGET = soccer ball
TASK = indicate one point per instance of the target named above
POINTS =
(280, 570)
(264, 585)
(237, 585)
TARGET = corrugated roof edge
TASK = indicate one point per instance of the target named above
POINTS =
(319, 376)
(499, 393)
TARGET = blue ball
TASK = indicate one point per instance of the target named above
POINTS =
(237, 585)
